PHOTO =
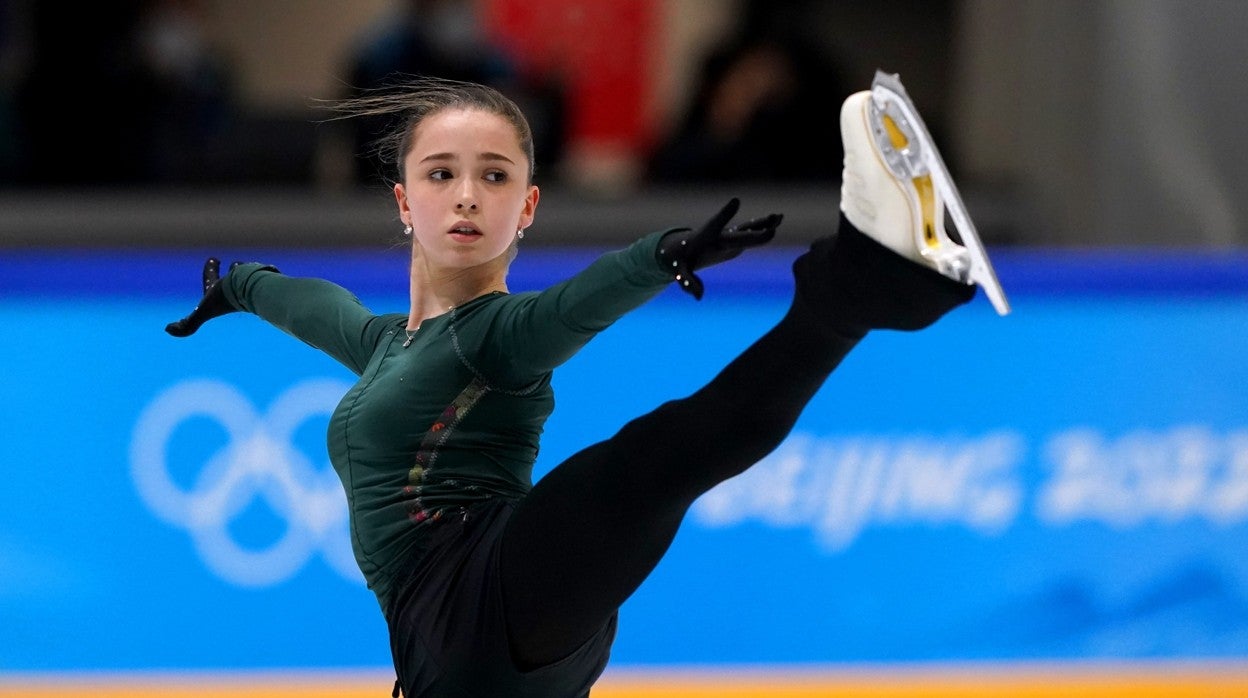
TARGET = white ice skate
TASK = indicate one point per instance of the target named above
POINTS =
(903, 204)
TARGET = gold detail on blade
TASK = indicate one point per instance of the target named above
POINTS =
(927, 207)
(895, 134)
(923, 185)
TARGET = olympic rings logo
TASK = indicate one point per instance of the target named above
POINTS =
(258, 464)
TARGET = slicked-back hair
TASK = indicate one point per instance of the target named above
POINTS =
(405, 101)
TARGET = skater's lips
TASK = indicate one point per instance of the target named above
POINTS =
(464, 228)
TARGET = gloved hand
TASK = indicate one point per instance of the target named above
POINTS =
(213, 304)
(685, 250)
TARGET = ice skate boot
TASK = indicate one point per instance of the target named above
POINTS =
(896, 188)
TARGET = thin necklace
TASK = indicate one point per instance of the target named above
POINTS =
(411, 334)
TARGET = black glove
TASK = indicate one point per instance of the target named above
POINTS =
(685, 251)
(213, 304)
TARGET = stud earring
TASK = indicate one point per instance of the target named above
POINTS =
(407, 230)
(520, 233)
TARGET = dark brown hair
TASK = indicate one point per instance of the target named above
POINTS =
(405, 101)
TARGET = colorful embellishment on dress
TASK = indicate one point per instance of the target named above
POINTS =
(433, 440)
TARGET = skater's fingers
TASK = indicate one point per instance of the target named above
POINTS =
(746, 238)
(212, 272)
(769, 222)
(725, 214)
(182, 328)
(691, 284)
(752, 233)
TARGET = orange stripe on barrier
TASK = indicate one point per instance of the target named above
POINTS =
(995, 681)
(225, 684)
(937, 686)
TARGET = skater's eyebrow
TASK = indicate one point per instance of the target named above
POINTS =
(452, 157)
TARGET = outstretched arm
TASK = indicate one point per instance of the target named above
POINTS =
(321, 314)
(551, 326)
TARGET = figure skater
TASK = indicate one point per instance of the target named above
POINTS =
(492, 585)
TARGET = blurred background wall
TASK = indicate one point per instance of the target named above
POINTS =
(1054, 503)
(1068, 122)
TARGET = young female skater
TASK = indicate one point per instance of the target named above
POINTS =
(492, 586)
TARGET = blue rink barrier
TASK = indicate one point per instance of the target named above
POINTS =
(1068, 483)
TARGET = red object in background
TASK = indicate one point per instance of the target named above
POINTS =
(605, 52)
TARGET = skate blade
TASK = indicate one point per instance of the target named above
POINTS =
(902, 129)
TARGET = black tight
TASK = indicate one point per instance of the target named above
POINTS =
(595, 527)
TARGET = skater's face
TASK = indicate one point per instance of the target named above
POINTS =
(465, 189)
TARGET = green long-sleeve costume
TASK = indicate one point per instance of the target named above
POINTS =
(456, 416)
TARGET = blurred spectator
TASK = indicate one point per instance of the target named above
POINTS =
(156, 95)
(760, 113)
(14, 57)
(192, 89)
(442, 38)
(445, 39)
